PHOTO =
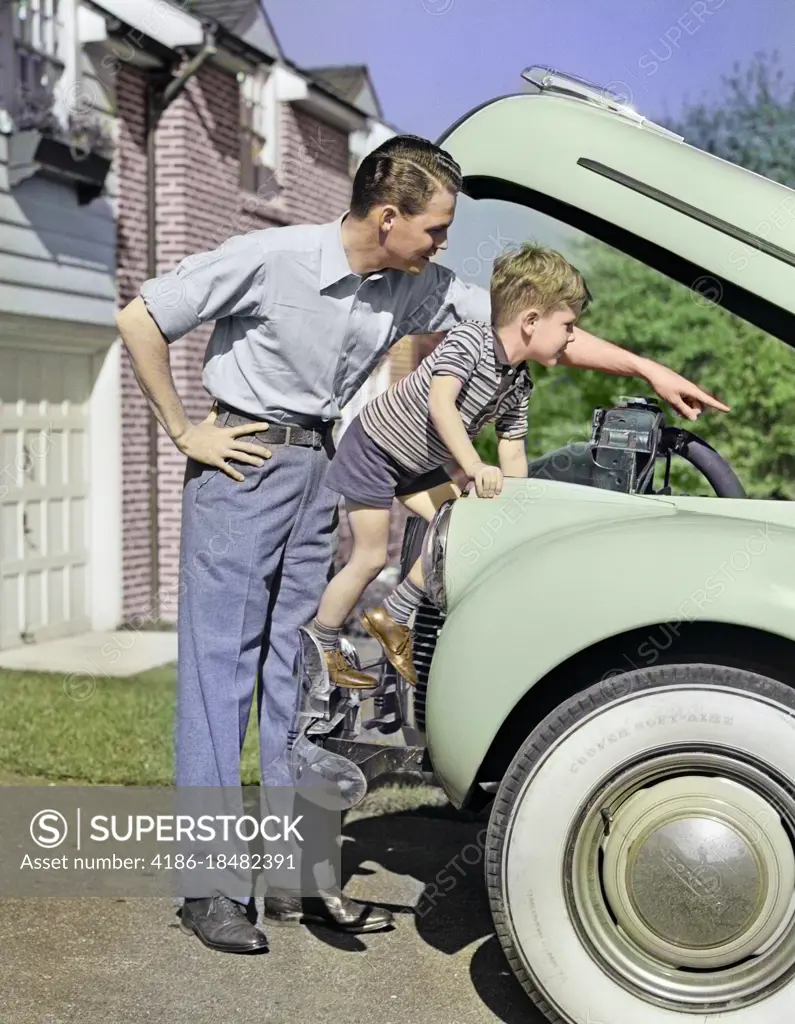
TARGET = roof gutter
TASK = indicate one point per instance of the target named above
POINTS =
(326, 95)
(160, 96)
(248, 56)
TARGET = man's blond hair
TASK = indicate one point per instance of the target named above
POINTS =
(534, 276)
(406, 171)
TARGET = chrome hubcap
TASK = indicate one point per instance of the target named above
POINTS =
(682, 884)
(692, 877)
(676, 872)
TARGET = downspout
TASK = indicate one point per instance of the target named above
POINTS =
(158, 99)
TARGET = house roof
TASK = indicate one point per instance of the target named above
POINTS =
(352, 83)
(246, 19)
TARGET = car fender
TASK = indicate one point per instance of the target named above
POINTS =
(546, 599)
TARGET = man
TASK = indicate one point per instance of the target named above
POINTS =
(303, 315)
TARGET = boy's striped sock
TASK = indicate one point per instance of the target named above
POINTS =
(328, 636)
(403, 601)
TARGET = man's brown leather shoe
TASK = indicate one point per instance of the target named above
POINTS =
(343, 674)
(337, 912)
(394, 638)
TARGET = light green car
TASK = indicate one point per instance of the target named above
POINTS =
(637, 738)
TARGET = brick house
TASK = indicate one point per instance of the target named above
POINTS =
(252, 142)
(249, 140)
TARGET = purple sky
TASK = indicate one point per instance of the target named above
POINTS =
(433, 60)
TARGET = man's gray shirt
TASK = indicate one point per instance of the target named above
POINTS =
(297, 332)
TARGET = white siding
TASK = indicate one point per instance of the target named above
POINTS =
(57, 258)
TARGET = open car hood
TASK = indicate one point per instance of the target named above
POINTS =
(703, 221)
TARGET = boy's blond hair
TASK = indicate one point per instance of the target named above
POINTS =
(538, 277)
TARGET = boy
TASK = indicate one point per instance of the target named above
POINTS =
(477, 375)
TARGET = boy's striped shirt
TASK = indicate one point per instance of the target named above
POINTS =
(399, 420)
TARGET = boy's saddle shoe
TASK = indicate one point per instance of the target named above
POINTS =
(337, 912)
(342, 673)
(394, 638)
(223, 924)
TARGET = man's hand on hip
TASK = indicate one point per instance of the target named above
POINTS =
(205, 442)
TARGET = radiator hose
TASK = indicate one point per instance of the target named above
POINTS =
(706, 460)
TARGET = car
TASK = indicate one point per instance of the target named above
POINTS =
(609, 664)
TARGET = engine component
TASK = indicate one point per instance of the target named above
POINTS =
(713, 467)
(620, 455)
(626, 440)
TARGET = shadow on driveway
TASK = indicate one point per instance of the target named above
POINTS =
(444, 851)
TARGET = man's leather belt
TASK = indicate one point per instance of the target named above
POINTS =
(277, 433)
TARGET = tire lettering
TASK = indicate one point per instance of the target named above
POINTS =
(543, 942)
(591, 752)
(672, 718)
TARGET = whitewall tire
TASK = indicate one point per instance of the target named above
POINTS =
(640, 859)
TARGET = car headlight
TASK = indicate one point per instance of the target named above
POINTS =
(433, 555)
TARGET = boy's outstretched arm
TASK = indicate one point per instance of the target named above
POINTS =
(512, 456)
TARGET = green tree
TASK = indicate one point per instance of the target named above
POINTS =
(754, 125)
(649, 313)
(751, 371)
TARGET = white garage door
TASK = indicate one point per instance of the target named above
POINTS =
(44, 490)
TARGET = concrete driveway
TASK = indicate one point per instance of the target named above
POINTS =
(91, 961)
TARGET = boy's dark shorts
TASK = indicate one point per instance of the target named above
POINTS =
(363, 472)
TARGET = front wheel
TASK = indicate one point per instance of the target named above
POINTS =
(640, 859)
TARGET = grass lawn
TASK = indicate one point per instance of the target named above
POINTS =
(122, 734)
